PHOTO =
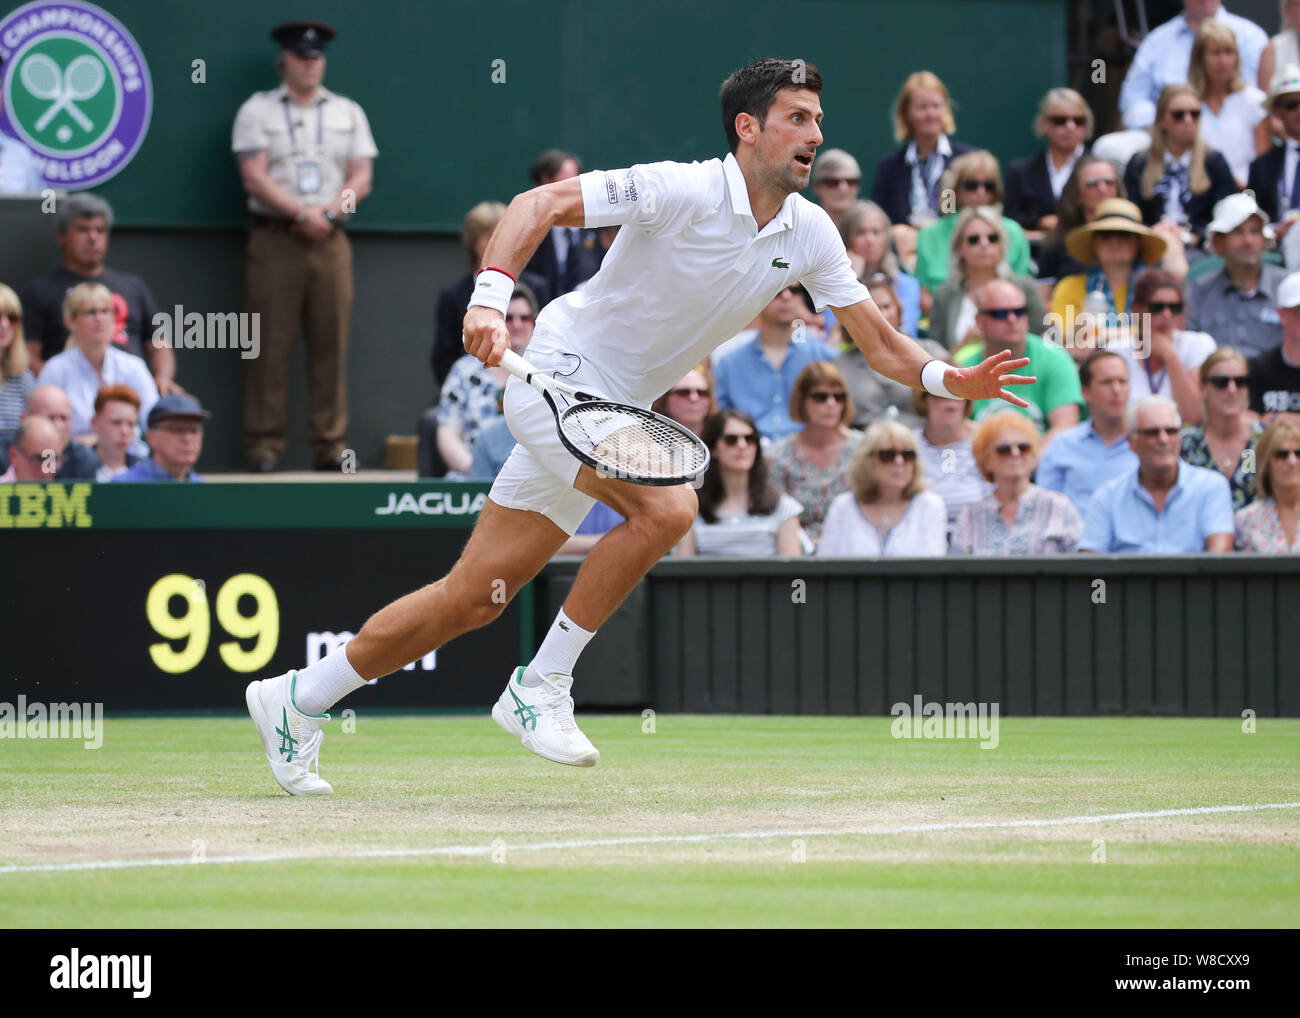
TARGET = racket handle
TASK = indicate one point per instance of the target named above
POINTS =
(517, 366)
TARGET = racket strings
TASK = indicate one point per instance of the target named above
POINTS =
(634, 443)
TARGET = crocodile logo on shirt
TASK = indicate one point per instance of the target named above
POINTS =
(777, 263)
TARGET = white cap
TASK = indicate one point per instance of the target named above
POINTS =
(1288, 291)
(1286, 82)
(1232, 211)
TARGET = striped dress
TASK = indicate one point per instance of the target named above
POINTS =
(13, 399)
(744, 533)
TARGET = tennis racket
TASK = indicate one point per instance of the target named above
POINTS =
(616, 439)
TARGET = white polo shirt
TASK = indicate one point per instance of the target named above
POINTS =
(688, 270)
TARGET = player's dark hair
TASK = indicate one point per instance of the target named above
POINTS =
(1085, 369)
(753, 89)
(763, 497)
(548, 164)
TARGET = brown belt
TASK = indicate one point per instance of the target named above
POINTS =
(272, 222)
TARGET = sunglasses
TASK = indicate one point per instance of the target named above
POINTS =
(822, 397)
(1002, 314)
(840, 181)
(893, 455)
(1286, 454)
(1170, 432)
(750, 439)
(973, 239)
(686, 392)
(1185, 114)
(1101, 182)
(972, 184)
(1021, 448)
(1290, 105)
(1159, 306)
(1221, 382)
(1060, 120)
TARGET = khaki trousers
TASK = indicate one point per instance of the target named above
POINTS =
(292, 281)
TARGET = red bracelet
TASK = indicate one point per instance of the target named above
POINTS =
(493, 268)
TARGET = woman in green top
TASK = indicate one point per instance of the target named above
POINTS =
(971, 180)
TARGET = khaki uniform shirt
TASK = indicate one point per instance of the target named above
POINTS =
(308, 147)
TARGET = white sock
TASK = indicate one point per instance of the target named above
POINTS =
(565, 640)
(325, 683)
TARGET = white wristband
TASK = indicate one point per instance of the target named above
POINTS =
(932, 376)
(492, 289)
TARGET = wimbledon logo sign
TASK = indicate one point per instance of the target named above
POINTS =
(76, 89)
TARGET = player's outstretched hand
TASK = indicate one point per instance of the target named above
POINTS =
(485, 335)
(986, 380)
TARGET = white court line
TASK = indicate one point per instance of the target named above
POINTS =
(649, 839)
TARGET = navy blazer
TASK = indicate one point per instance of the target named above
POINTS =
(1029, 190)
(589, 254)
(1200, 210)
(1265, 175)
(892, 189)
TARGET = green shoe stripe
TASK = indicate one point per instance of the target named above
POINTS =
(293, 681)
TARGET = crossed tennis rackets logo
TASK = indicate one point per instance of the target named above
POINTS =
(81, 80)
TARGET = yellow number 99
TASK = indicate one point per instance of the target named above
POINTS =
(264, 623)
(193, 627)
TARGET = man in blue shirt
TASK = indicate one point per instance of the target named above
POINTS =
(175, 437)
(759, 376)
(1165, 506)
(1083, 458)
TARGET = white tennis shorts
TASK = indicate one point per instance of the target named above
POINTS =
(539, 474)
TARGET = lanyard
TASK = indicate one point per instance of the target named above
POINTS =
(320, 122)
(1151, 377)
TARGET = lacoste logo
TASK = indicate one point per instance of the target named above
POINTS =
(564, 627)
(778, 264)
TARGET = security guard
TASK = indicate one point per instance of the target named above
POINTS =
(306, 157)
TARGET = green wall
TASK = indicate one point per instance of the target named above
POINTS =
(617, 84)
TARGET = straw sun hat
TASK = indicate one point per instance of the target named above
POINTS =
(1115, 215)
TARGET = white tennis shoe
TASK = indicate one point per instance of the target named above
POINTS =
(541, 717)
(291, 738)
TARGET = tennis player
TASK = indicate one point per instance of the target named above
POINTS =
(702, 249)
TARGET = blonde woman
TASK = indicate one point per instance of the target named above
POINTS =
(907, 180)
(16, 379)
(888, 510)
(1178, 179)
(1281, 50)
(973, 180)
(91, 362)
(1233, 119)
(1271, 524)
(1018, 518)
(1034, 184)
(978, 256)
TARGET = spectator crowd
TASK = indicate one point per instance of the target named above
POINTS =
(1150, 276)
